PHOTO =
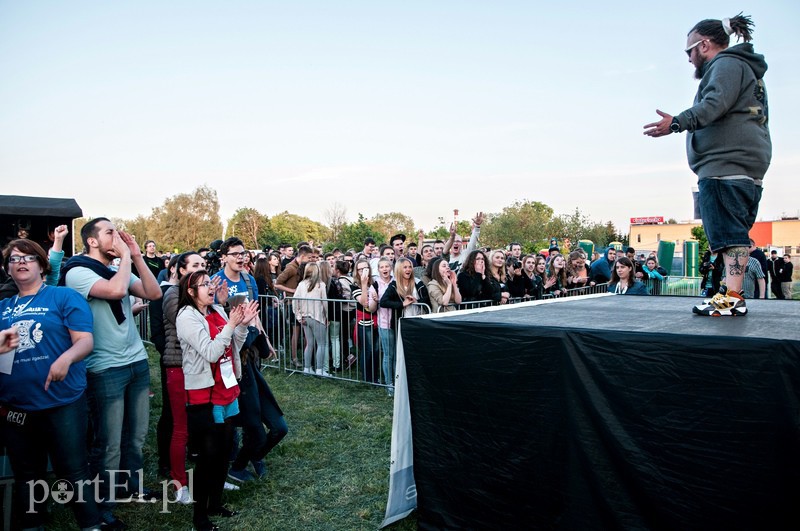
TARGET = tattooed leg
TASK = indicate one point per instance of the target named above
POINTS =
(735, 266)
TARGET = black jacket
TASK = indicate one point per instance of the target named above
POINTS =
(393, 301)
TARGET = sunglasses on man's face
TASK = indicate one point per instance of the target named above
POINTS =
(693, 46)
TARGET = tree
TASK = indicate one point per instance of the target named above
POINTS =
(187, 221)
(393, 223)
(138, 227)
(249, 225)
(77, 241)
(352, 235)
(699, 234)
(336, 217)
(524, 221)
(291, 228)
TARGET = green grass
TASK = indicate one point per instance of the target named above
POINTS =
(331, 472)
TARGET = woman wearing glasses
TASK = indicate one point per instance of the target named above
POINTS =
(173, 419)
(47, 333)
(210, 342)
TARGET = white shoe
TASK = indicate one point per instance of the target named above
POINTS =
(183, 497)
(307, 371)
(326, 374)
(319, 372)
(230, 486)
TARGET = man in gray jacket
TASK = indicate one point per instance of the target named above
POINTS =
(728, 146)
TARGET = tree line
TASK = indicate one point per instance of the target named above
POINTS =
(191, 220)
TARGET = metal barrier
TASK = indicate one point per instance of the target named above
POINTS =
(351, 349)
(356, 352)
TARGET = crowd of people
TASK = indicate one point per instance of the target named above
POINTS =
(75, 377)
(80, 383)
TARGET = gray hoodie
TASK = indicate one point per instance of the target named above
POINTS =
(727, 125)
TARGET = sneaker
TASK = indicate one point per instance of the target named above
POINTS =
(240, 476)
(307, 371)
(230, 486)
(112, 522)
(325, 374)
(722, 304)
(146, 496)
(318, 372)
(260, 469)
(182, 496)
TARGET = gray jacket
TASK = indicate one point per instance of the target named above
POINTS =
(172, 347)
(727, 125)
(200, 351)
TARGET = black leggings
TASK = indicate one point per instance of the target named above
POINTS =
(213, 443)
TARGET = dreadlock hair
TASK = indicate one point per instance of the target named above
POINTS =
(717, 31)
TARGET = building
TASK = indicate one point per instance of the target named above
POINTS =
(646, 233)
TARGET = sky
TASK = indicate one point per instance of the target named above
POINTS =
(414, 107)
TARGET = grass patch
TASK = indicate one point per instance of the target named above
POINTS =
(331, 472)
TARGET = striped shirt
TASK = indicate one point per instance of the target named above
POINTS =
(751, 275)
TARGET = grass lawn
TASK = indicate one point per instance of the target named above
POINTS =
(330, 472)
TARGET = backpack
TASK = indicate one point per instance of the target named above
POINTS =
(346, 286)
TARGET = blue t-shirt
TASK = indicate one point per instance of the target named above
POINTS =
(43, 322)
(238, 287)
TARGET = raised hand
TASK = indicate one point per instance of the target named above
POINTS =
(250, 312)
(121, 247)
(220, 289)
(133, 247)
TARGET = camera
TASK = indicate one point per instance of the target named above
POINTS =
(213, 262)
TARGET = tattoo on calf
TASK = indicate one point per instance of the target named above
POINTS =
(740, 256)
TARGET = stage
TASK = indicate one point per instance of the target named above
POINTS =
(599, 412)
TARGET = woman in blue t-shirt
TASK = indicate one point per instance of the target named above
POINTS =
(42, 383)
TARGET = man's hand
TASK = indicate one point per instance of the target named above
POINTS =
(660, 128)
(477, 221)
(133, 247)
(121, 247)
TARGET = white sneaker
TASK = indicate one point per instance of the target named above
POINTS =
(319, 372)
(307, 371)
(326, 374)
(230, 486)
(183, 497)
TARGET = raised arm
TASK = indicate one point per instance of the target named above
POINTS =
(477, 221)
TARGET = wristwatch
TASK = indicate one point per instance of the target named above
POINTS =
(675, 126)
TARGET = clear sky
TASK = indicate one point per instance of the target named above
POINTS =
(415, 106)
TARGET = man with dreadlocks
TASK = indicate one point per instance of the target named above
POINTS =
(728, 145)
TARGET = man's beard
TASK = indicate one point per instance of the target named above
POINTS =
(698, 70)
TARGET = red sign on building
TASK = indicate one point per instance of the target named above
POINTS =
(652, 220)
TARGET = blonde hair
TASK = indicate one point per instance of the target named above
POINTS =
(324, 272)
(311, 275)
(403, 289)
(502, 272)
